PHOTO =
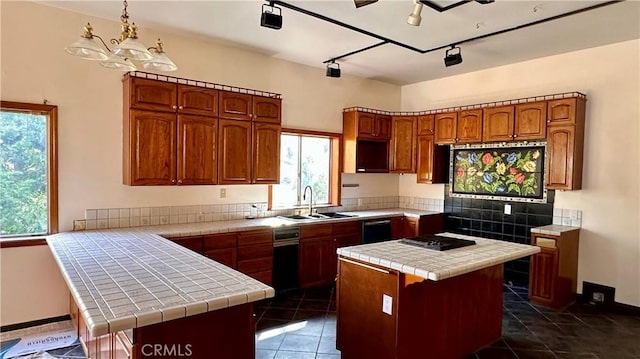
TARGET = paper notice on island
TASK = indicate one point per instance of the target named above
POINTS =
(36, 343)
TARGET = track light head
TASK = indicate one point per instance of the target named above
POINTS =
(452, 58)
(360, 3)
(414, 18)
(484, 2)
(270, 18)
(333, 69)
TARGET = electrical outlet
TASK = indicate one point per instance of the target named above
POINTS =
(597, 297)
(223, 192)
(507, 209)
(79, 225)
(359, 201)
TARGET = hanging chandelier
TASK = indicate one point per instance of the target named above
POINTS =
(127, 48)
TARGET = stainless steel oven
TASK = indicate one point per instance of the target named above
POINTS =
(286, 241)
(376, 230)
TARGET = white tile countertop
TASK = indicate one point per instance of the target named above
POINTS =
(553, 229)
(124, 279)
(436, 265)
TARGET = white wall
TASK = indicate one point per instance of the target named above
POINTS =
(610, 198)
(34, 67)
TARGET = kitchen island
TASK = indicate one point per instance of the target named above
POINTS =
(396, 300)
(136, 294)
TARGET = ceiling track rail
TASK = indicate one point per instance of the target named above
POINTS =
(439, 8)
(556, 96)
(386, 40)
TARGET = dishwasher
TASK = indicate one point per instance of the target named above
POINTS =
(376, 230)
(285, 259)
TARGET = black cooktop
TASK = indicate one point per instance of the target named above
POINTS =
(437, 243)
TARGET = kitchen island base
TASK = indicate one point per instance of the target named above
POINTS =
(383, 313)
(227, 333)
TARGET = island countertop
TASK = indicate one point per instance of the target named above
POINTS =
(436, 265)
(122, 279)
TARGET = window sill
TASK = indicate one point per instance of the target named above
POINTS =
(305, 207)
(14, 242)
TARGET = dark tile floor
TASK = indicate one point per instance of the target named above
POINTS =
(303, 325)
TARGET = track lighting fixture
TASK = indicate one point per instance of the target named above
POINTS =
(452, 58)
(359, 3)
(414, 18)
(333, 69)
(270, 18)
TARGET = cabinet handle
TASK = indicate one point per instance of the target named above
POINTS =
(179, 181)
(180, 107)
(548, 121)
(365, 265)
(173, 107)
(514, 136)
(173, 181)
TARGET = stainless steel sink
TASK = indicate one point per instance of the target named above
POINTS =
(316, 216)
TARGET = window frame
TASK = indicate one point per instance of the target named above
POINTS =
(335, 166)
(51, 112)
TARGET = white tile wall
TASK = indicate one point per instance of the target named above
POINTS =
(567, 217)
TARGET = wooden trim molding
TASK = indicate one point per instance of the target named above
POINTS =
(51, 111)
(22, 242)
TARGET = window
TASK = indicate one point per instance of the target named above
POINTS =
(307, 159)
(28, 170)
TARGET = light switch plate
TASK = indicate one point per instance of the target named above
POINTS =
(387, 304)
(223, 192)
(507, 209)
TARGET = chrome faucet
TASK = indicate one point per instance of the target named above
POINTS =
(304, 197)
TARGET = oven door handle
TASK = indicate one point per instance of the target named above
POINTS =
(286, 242)
(377, 223)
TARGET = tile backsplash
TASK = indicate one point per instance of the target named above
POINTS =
(105, 218)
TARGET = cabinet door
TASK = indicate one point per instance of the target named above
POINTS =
(197, 162)
(562, 112)
(542, 272)
(469, 126)
(266, 109)
(425, 125)
(411, 227)
(197, 100)
(341, 240)
(560, 157)
(315, 260)
(235, 106)
(445, 127)
(531, 121)
(366, 125)
(234, 151)
(266, 153)
(383, 127)
(425, 152)
(497, 124)
(226, 256)
(403, 145)
(153, 95)
(151, 157)
(192, 242)
(397, 227)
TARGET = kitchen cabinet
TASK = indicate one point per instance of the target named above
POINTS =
(221, 248)
(521, 122)
(234, 152)
(565, 143)
(553, 272)
(196, 158)
(267, 109)
(365, 140)
(423, 225)
(397, 227)
(266, 153)
(469, 126)
(445, 126)
(315, 256)
(345, 234)
(235, 106)
(153, 95)
(426, 125)
(403, 144)
(255, 254)
(432, 161)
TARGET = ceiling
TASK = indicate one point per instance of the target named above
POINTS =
(311, 41)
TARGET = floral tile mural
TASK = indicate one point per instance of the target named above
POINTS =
(504, 171)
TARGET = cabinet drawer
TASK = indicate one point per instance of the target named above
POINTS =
(259, 236)
(265, 277)
(316, 230)
(255, 265)
(253, 252)
(219, 241)
(226, 256)
(347, 227)
(545, 242)
(193, 243)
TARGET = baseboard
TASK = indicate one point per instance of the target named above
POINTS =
(33, 323)
(615, 307)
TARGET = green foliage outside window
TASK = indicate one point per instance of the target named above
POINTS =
(23, 173)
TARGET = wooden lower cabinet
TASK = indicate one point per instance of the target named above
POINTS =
(221, 248)
(397, 227)
(450, 318)
(227, 333)
(418, 226)
(553, 273)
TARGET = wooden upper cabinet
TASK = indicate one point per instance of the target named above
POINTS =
(469, 126)
(403, 144)
(530, 121)
(266, 109)
(373, 126)
(562, 112)
(425, 124)
(266, 153)
(425, 153)
(497, 123)
(561, 148)
(153, 95)
(234, 152)
(197, 163)
(383, 127)
(235, 106)
(197, 101)
(445, 127)
(150, 150)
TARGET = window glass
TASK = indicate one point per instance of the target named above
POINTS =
(23, 173)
